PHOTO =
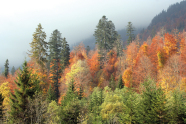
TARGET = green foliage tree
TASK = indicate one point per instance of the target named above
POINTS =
(55, 45)
(88, 49)
(120, 83)
(153, 104)
(112, 84)
(1, 107)
(39, 47)
(105, 36)
(177, 107)
(13, 70)
(130, 34)
(27, 86)
(65, 53)
(50, 94)
(6, 72)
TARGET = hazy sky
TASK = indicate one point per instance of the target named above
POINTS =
(75, 19)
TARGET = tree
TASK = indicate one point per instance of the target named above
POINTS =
(6, 72)
(120, 83)
(105, 36)
(55, 45)
(112, 84)
(27, 86)
(1, 107)
(50, 94)
(65, 53)
(13, 70)
(153, 104)
(39, 47)
(88, 49)
(130, 34)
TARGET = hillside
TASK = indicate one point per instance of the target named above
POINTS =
(173, 18)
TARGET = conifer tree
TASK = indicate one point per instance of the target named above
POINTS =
(39, 47)
(153, 108)
(50, 94)
(1, 107)
(88, 49)
(120, 83)
(13, 70)
(65, 53)
(105, 36)
(55, 45)
(27, 86)
(130, 34)
(112, 84)
(6, 72)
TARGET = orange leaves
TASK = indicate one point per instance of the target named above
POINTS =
(94, 64)
(131, 51)
(170, 44)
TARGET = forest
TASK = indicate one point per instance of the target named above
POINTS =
(143, 82)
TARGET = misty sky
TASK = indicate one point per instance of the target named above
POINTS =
(75, 19)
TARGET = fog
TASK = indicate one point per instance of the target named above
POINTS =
(75, 19)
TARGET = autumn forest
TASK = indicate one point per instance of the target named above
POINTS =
(143, 81)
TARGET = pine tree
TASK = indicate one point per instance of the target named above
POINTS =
(50, 94)
(120, 83)
(27, 86)
(65, 53)
(1, 107)
(13, 70)
(6, 72)
(130, 34)
(55, 46)
(112, 84)
(39, 47)
(153, 108)
(105, 36)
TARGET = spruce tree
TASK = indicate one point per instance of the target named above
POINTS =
(55, 46)
(120, 83)
(153, 104)
(65, 53)
(88, 49)
(50, 94)
(13, 70)
(39, 47)
(130, 32)
(105, 36)
(1, 107)
(112, 84)
(6, 72)
(27, 86)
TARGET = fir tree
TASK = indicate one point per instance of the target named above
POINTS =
(120, 83)
(55, 45)
(153, 108)
(65, 53)
(13, 70)
(50, 94)
(39, 47)
(6, 72)
(112, 84)
(27, 86)
(130, 34)
(88, 49)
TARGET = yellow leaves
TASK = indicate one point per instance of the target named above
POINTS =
(127, 77)
(170, 46)
(5, 91)
(161, 58)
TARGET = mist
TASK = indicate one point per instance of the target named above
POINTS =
(76, 20)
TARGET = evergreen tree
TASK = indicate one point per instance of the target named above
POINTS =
(177, 107)
(112, 84)
(50, 94)
(6, 72)
(88, 49)
(80, 95)
(13, 70)
(120, 83)
(1, 107)
(55, 46)
(153, 108)
(39, 47)
(130, 34)
(65, 53)
(105, 36)
(27, 86)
